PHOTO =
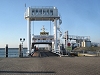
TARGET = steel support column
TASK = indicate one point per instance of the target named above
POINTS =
(55, 35)
(28, 36)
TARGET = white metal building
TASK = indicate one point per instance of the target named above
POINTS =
(86, 44)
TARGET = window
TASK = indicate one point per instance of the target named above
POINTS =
(33, 12)
(44, 39)
(51, 12)
(37, 12)
(47, 12)
(44, 12)
(40, 11)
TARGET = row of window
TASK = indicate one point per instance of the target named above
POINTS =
(42, 40)
(44, 33)
(44, 12)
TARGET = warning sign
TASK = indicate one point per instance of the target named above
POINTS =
(69, 44)
(69, 47)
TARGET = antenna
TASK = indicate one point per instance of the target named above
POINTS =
(43, 29)
(25, 6)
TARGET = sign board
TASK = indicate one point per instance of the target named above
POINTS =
(69, 47)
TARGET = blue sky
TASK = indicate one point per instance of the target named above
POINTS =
(79, 17)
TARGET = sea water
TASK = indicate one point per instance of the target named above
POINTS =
(12, 52)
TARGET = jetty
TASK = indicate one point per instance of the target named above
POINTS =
(50, 66)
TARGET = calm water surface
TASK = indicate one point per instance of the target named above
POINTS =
(12, 52)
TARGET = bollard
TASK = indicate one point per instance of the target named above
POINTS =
(20, 48)
(6, 50)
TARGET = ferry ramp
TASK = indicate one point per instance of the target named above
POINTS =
(44, 53)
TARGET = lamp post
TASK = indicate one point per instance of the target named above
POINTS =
(22, 40)
(21, 50)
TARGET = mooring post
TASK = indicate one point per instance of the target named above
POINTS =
(20, 48)
(6, 50)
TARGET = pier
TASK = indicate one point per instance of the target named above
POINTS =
(50, 66)
(58, 58)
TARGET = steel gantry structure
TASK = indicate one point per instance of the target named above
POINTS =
(41, 14)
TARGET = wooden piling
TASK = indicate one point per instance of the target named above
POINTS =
(6, 50)
(20, 48)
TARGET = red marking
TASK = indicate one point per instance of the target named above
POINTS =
(68, 44)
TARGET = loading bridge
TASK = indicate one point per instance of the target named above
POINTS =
(41, 14)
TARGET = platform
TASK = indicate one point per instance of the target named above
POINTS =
(50, 66)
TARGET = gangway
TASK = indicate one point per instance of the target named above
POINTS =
(75, 37)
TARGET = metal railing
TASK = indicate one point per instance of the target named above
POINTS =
(42, 7)
(77, 37)
(41, 40)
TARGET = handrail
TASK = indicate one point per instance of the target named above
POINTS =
(41, 40)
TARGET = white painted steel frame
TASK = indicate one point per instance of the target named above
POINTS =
(29, 18)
